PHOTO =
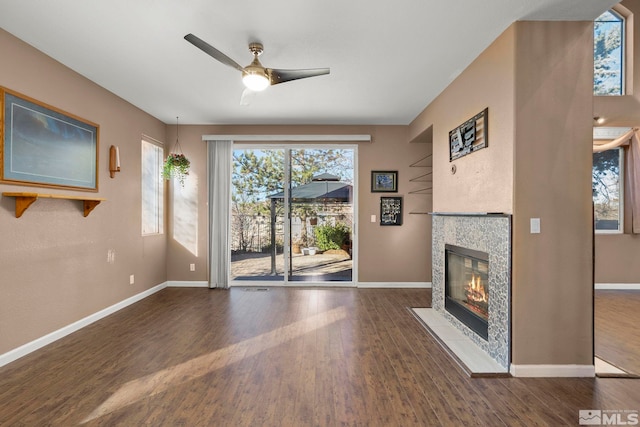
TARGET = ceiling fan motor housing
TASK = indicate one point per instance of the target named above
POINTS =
(256, 48)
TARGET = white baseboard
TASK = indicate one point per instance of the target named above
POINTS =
(36, 344)
(187, 284)
(399, 285)
(618, 286)
(553, 371)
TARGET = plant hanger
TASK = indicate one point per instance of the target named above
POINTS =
(176, 164)
(177, 149)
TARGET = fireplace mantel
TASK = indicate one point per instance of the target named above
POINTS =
(499, 214)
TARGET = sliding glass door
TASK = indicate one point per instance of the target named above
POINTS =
(321, 210)
(293, 214)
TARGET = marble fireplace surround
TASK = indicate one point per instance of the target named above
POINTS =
(490, 233)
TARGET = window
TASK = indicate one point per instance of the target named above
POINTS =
(152, 188)
(608, 54)
(608, 190)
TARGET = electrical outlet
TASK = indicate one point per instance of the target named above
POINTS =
(192, 267)
(132, 279)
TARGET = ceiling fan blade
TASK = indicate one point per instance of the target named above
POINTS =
(282, 76)
(212, 51)
(247, 97)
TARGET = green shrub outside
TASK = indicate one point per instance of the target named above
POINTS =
(331, 236)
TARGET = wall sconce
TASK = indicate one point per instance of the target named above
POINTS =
(114, 160)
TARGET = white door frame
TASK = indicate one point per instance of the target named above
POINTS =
(287, 145)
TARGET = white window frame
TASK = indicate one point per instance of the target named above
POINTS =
(626, 49)
(621, 195)
(157, 187)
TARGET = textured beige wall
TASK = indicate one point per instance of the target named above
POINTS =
(385, 254)
(552, 289)
(483, 181)
(615, 261)
(53, 261)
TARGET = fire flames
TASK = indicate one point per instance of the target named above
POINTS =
(477, 296)
(476, 291)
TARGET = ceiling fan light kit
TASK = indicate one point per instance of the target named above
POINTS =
(255, 81)
(255, 76)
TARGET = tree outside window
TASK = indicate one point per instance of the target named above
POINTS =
(607, 190)
(260, 173)
(608, 54)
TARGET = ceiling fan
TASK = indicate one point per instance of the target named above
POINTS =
(255, 76)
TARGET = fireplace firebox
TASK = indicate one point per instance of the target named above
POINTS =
(467, 287)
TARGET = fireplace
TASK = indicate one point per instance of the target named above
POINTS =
(467, 287)
(485, 234)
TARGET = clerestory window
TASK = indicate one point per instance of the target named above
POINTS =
(608, 54)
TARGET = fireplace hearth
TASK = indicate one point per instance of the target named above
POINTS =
(467, 287)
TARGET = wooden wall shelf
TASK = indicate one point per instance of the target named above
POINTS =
(24, 200)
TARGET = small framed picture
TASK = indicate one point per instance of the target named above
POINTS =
(384, 181)
(390, 210)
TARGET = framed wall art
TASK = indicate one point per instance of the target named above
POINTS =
(390, 210)
(384, 181)
(44, 146)
(470, 136)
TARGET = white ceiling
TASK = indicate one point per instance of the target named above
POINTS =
(388, 59)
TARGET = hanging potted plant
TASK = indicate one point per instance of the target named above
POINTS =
(176, 164)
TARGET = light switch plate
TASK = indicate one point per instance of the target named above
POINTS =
(535, 225)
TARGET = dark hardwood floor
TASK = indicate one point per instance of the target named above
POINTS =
(282, 357)
(617, 328)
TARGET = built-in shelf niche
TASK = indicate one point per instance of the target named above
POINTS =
(426, 179)
(423, 176)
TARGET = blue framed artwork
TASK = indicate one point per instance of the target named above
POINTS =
(384, 181)
(46, 147)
